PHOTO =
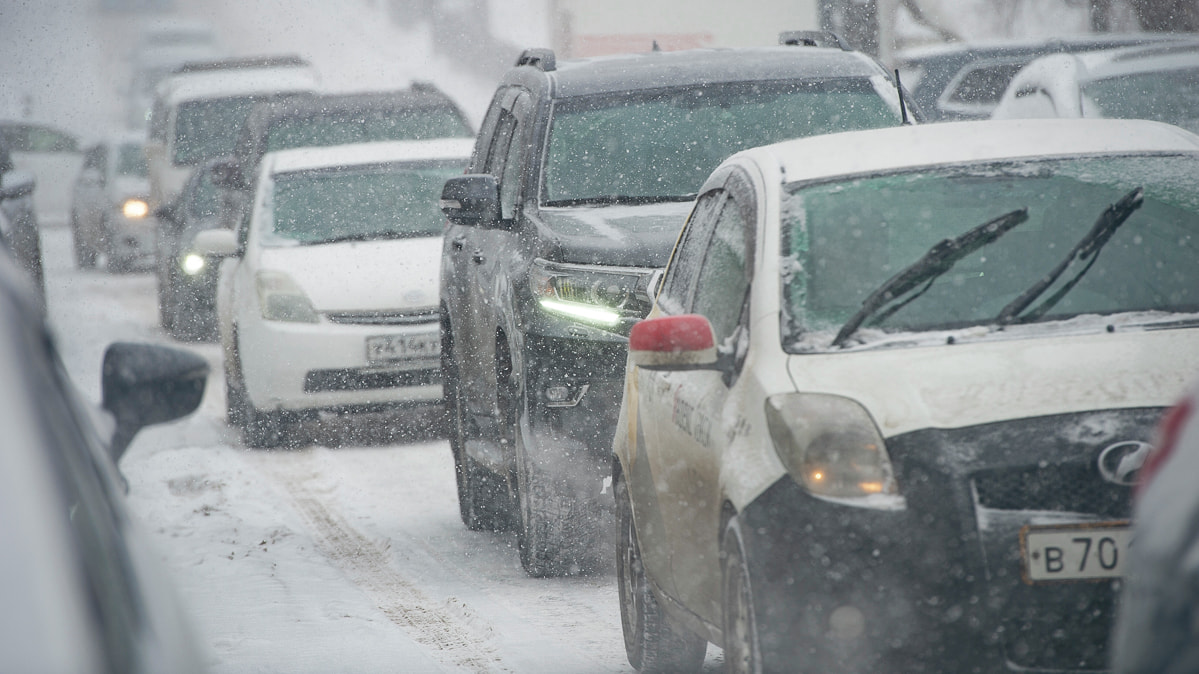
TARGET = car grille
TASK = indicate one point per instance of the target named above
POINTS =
(317, 381)
(1066, 487)
(406, 317)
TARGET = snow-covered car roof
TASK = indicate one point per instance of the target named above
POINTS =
(301, 159)
(220, 83)
(897, 148)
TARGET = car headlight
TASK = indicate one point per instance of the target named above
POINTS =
(193, 264)
(281, 298)
(591, 293)
(830, 445)
(135, 208)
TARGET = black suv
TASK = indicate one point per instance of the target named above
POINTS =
(582, 176)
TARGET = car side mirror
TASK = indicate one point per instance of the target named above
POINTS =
(472, 200)
(683, 342)
(227, 174)
(216, 243)
(146, 384)
(16, 184)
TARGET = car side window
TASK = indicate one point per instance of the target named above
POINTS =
(723, 279)
(681, 274)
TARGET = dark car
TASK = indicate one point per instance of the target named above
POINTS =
(18, 220)
(582, 175)
(187, 280)
(966, 80)
(82, 590)
(421, 112)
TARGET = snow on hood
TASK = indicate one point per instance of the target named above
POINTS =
(954, 386)
(363, 276)
(634, 236)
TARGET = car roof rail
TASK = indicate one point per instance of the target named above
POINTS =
(540, 58)
(813, 38)
(281, 61)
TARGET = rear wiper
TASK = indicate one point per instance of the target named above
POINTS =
(938, 260)
(1090, 245)
(618, 199)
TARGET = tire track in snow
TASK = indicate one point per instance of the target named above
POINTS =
(369, 567)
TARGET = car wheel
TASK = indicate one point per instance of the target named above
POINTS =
(742, 650)
(259, 428)
(483, 500)
(85, 254)
(653, 641)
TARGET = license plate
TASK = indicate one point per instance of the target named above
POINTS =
(1075, 552)
(389, 348)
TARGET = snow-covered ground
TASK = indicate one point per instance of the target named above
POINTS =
(346, 555)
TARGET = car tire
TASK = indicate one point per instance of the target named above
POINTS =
(653, 641)
(260, 429)
(85, 254)
(742, 648)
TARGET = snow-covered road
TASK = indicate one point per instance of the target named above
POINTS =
(345, 555)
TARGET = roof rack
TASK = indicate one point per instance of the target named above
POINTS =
(541, 59)
(813, 38)
(281, 61)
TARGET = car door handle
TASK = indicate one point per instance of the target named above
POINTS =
(457, 242)
(477, 258)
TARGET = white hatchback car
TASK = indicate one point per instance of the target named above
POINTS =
(330, 302)
(888, 410)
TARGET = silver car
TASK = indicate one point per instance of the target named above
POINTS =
(110, 212)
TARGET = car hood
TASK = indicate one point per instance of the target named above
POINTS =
(363, 276)
(954, 386)
(631, 236)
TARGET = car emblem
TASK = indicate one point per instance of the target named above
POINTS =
(1121, 463)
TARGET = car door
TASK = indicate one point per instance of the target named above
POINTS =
(699, 408)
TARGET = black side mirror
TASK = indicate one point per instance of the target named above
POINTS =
(145, 384)
(227, 174)
(471, 200)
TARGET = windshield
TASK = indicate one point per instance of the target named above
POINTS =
(131, 160)
(842, 240)
(325, 130)
(208, 128)
(1167, 96)
(663, 143)
(359, 203)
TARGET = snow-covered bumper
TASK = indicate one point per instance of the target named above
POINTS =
(328, 365)
(943, 580)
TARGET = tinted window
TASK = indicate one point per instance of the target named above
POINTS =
(208, 128)
(360, 203)
(1171, 97)
(131, 160)
(663, 143)
(721, 286)
(415, 124)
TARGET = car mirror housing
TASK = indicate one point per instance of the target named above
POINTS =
(17, 184)
(472, 200)
(216, 243)
(227, 174)
(146, 384)
(683, 342)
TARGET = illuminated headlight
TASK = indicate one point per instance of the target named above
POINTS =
(193, 264)
(135, 208)
(591, 293)
(830, 446)
(281, 299)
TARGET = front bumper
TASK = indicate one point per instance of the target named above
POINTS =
(324, 366)
(131, 239)
(938, 586)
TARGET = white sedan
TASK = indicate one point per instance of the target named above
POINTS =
(329, 300)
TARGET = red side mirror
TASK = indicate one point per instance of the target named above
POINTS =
(673, 342)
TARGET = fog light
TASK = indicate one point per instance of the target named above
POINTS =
(564, 396)
(193, 264)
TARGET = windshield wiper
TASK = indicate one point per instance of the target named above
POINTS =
(938, 260)
(361, 236)
(1090, 245)
(618, 199)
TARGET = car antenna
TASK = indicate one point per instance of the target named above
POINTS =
(903, 106)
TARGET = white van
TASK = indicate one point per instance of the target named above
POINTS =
(198, 112)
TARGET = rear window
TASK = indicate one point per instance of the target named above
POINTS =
(131, 160)
(413, 124)
(208, 128)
